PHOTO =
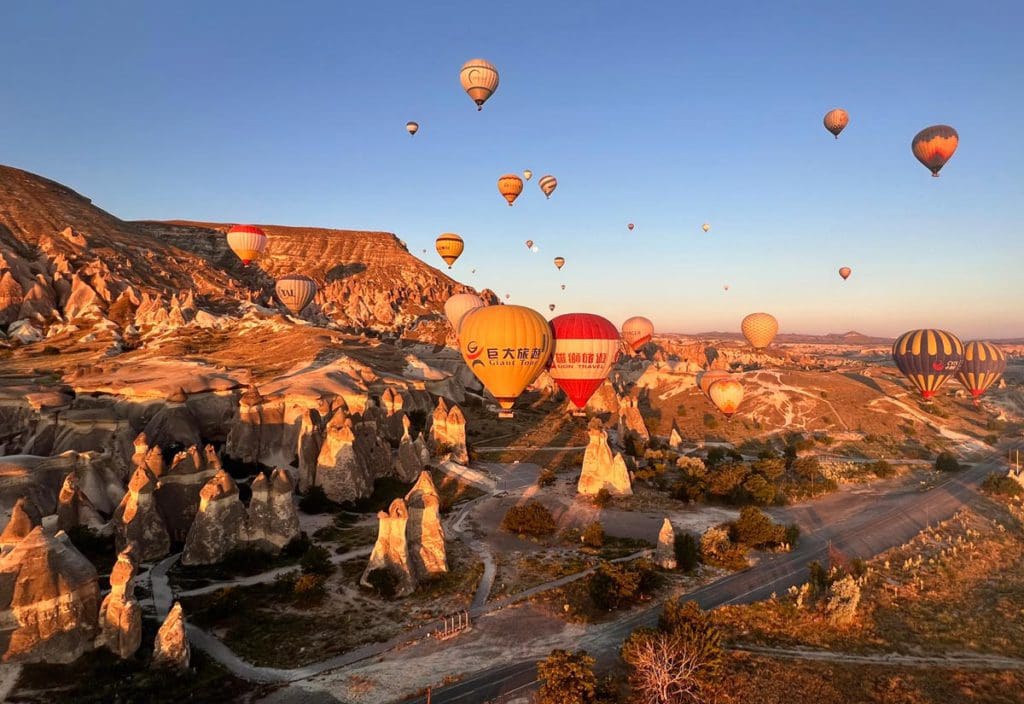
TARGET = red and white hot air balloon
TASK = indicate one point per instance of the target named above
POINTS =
(586, 348)
(637, 332)
(247, 242)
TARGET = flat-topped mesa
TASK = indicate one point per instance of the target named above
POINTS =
(602, 469)
(219, 526)
(272, 520)
(391, 551)
(120, 616)
(137, 520)
(74, 508)
(19, 526)
(448, 432)
(49, 600)
(339, 472)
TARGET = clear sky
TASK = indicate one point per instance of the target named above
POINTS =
(662, 114)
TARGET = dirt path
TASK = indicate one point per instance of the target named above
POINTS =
(957, 660)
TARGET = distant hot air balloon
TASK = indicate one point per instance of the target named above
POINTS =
(984, 363)
(563, 287)
(506, 347)
(295, 291)
(412, 127)
(559, 262)
(247, 242)
(725, 287)
(527, 174)
(456, 307)
(934, 146)
(706, 379)
(510, 186)
(759, 329)
(706, 227)
(529, 244)
(586, 348)
(547, 184)
(551, 307)
(508, 296)
(836, 120)
(449, 246)
(845, 272)
(727, 394)
(928, 357)
(630, 227)
(472, 271)
(424, 251)
(479, 79)
(637, 332)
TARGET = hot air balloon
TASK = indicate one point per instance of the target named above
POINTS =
(836, 120)
(510, 186)
(424, 251)
(637, 332)
(727, 394)
(295, 291)
(759, 329)
(247, 242)
(586, 348)
(506, 347)
(412, 127)
(508, 296)
(547, 184)
(529, 244)
(928, 358)
(527, 174)
(563, 287)
(456, 307)
(983, 364)
(706, 379)
(630, 227)
(559, 262)
(449, 246)
(725, 287)
(472, 271)
(845, 272)
(479, 79)
(934, 146)
(551, 307)
(706, 227)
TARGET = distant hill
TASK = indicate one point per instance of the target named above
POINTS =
(847, 338)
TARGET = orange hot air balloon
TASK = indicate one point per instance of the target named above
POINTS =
(559, 262)
(984, 363)
(295, 291)
(727, 394)
(759, 329)
(928, 358)
(527, 174)
(586, 348)
(506, 347)
(412, 127)
(247, 242)
(547, 184)
(479, 79)
(934, 146)
(510, 186)
(705, 227)
(836, 120)
(449, 246)
(630, 227)
(456, 307)
(637, 332)
(706, 379)
(845, 272)
(529, 244)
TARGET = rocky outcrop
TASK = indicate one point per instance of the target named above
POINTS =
(120, 617)
(177, 492)
(665, 553)
(311, 438)
(631, 422)
(408, 461)
(261, 433)
(137, 520)
(171, 650)
(272, 520)
(425, 533)
(219, 526)
(448, 432)
(601, 469)
(74, 508)
(174, 426)
(339, 472)
(391, 551)
(19, 526)
(48, 600)
(675, 440)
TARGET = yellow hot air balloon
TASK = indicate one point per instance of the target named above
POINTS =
(412, 127)
(559, 262)
(548, 184)
(449, 246)
(506, 347)
(510, 186)
(456, 307)
(295, 291)
(637, 332)
(759, 329)
(527, 174)
(727, 394)
(247, 242)
(479, 79)
(706, 379)
(705, 227)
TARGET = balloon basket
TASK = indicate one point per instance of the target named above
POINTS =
(579, 414)
(506, 414)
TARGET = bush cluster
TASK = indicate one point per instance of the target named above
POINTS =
(614, 585)
(1002, 485)
(947, 462)
(530, 518)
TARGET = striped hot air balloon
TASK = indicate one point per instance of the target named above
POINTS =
(547, 184)
(706, 379)
(836, 120)
(295, 291)
(727, 395)
(984, 363)
(449, 246)
(479, 79)
(934, 146)
(759, 329)
(928, 358)
(510, 186)
(586, 348)
(637, 332)
(247, 242)
(457, 306)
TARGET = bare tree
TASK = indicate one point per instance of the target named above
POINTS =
(667, 669)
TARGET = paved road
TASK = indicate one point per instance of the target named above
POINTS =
(858, 530)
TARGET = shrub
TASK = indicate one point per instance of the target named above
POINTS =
(546, 478)
(760, 491)
(309, 589)
(710, 421)
(602, 498)
(593, 535)
(947, 462)
(383, 582)
(614, 586)
(568, 678)
(530, 518)
(755, 528)
(1001, 485)
(687, 553)
(881, 469)
(817, 577)
(716, 455)
(792, 535)
(317, 561)
(315, 501)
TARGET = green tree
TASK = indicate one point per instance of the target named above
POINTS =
(947, 462)
(568, 678)
(593, 535)
(687, 551)
(755, 528)
(531, 518)
(317, 560)
(613, 586)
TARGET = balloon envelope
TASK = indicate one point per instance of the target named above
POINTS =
(759, 329)
(559, 262)
(527, 174)
(506, 347)
(933, 146)
(630, 227)
(928, 358)
(845, 272)
(547, 184)
(984, 363)
(510, 186)
(705, 227)
(456, 307)
(412, 127)
(706, 379)
(586, 348)
(637, 332)
(727, 394)
(836, 120)
(479, 79)
(449, 246)
(295, 291)
(247, 242)
(529, 244)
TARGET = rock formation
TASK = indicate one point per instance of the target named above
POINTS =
(137, 520)
(171, 650)
(675, 440)
(311, 438)
(408, 463)
(48, 600)
(665, 553)
(272, 520)
(20, 525)
(174, 426)
(177, 492)
(74, 508)
(602, 470)
(120, 618)
(631, 423)
(219, 526)
(391, 551)
(338, 470)
(425, 532)
(448, 430)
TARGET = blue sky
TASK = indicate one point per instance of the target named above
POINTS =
(665, 115)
